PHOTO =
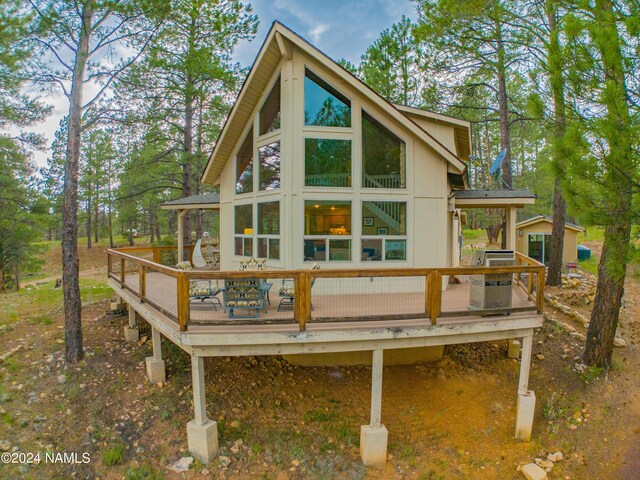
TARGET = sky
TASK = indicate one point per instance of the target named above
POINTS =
(340, 28)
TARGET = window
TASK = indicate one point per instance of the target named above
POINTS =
(244, 165)
(384, 231)
(327, 162)
(243, 230)
(323, 105)
(270, 112)
(383, 156)
(327, 230)
(269, 230)
(269, 166)
(540, 247)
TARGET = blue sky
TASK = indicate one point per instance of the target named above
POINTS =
(340, 28)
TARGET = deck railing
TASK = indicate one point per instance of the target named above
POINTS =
(352, 294)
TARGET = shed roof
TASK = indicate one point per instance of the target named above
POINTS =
(548, 219)
(195, 202)
(493, 198)
(278, 44)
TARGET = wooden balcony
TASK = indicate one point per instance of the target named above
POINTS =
(325, 300)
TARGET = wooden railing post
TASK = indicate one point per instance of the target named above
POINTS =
(434, 295)
(540, 291)
(156, 255)
(302, 299)
(142, 282)
(122, 272)
(183, 301)
(109, 264)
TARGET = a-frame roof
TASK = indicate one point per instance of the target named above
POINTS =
(548, 219)
(278, 43)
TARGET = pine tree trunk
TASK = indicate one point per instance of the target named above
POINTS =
(618, 203)
(97, 214)
(89, 213)
(556, 79)
(187, 179)
(70, 261)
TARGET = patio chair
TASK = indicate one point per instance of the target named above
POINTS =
(287, 291)
(201, 289)
(245, 293)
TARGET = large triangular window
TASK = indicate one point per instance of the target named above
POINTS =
(244, 165)
(324, 106)
(383, 156)
(270, 112)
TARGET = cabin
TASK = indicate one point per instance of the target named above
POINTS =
(352, 206)
(534, 239)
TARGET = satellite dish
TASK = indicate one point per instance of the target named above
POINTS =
(495, 166)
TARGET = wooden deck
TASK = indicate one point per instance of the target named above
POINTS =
(408, 307)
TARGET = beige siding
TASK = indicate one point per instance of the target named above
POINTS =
(570, 251)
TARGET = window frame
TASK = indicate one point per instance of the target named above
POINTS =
(269, 236)
(395, 132)
(327, 136)
(332, 84)
(244, 236)
(385, 238)
(327, 237)
(249, 132)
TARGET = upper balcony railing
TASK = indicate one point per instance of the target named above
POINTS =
(328, 295)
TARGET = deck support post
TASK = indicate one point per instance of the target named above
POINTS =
(131, 332)
(155, 364)
(202, 433)
(526, 398)
(373, 437)
(181, 214)
(510, 227)
(513, 350)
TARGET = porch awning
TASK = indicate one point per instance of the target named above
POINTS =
(493, 198)
(194, 202)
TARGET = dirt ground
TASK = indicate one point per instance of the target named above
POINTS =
(448, 420)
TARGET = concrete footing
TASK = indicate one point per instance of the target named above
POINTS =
(373, 445)
(131, 334)
(203, 440)
(118, 306)
(514, 349)
(524, 415)
(155, 370)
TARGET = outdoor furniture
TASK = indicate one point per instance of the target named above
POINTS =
(246, 293)
(287, 291)
(199, 262)
(201, 290)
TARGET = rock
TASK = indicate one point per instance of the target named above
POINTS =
(619, 342)
(555, 457)
(545, 464)
(4, 398)
(539, 356)
(235, 424)
(5, 445)
(181, 465)
(295, 463)
(62, 379)
(531, 471)
(224, 461)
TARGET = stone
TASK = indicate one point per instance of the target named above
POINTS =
(619, 342)
(62, 379)
(295, 463)
(235, 424)
(525, 410)
(373, 445)
(4, 398)
(155, 370)
(182, 465)
(555, 457)
(545, 464)
(224, 461)
(539, 356)
(202, 440)
(531, 471)
(5, 445)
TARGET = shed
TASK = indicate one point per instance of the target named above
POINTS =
(533, 238)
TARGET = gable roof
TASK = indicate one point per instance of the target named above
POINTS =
(276, 45)
(548, 219)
